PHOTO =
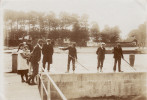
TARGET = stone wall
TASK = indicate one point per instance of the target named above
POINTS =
(100, 84)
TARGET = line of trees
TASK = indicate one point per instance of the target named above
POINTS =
(48, 25)
(108, 34)
(138, 34)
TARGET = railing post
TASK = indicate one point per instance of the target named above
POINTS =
(41, 88)
(37, 76)
(45, 89)
(45, 82)
(39, 83)
(49, 90)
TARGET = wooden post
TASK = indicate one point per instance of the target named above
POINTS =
(14, 62)
(132, 59)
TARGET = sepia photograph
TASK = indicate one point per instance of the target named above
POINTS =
(73, 50)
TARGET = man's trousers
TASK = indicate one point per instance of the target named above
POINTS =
(100, 63)
(119, 64)
(35, 71)
(73, 63)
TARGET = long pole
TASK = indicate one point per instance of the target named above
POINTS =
(78, 62)
(126, 61)
(129, 64)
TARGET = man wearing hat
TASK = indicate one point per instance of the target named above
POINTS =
(118, 54)
(72, 56)
(101, 56)
(35, 58)
(47, 52)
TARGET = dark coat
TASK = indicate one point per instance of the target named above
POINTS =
(36, 54)
(72, 52)
(47, 52)
(101, 53)
(117, 53)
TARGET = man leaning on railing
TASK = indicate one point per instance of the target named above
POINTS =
(35, 58)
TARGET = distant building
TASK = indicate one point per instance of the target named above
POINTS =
(27, 37)
(135, 41)
(91, 42)
(66, 40)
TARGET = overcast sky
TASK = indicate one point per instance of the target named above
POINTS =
(127, 14)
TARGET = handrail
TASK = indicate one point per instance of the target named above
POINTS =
(54, 84)
(44, 86)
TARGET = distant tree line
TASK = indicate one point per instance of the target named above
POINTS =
(19, 24)
(139, 34)
(108, 34)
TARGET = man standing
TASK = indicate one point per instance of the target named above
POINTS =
(35, 58)
(117, 57)
(47, 52)
(72, 56)
(101, 56)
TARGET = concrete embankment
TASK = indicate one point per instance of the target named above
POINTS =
(92, 85)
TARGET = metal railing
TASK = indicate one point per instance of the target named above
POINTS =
(44, 86)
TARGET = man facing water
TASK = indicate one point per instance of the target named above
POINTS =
(47, 52)
(72, 56)
(118, 54)
(101, 56)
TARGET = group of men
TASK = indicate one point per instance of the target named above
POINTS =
(118, 54)
(47, 51)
